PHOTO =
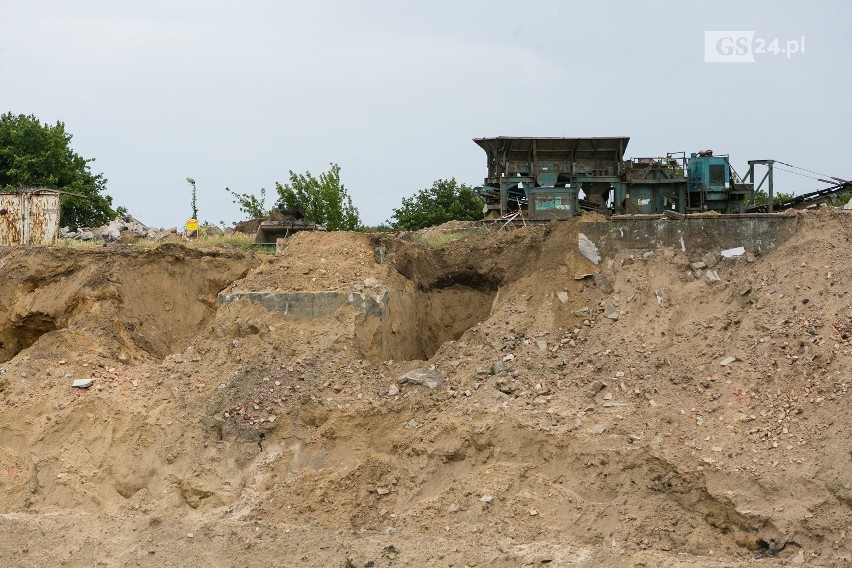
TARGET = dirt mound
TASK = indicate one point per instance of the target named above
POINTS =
(634, 413)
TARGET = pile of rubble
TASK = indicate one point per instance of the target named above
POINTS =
(112, 231)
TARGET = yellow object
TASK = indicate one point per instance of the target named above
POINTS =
(191, 226)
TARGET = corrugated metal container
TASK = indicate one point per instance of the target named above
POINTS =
(29, 217)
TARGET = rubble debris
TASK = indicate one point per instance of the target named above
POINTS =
(602, 283)
(711, 259)
(82, 383)
(610, 312)
(589, 249)
(733, 252)
(112, 231)
(429, 378)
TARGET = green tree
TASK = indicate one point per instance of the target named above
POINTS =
(323, 199)
(445, 201)
(761, 197)
(33, 154)
(251, 205)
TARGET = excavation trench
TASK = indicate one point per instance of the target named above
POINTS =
(394, 324)
(414, 325)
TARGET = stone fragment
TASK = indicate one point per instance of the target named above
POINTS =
(711, 259)
(82, 383)
(588, 249)
(429, 378)
(598, 429)
(542, 345)
(602, 283)
(733, 252)
(698, 265)
(498, 367)
(382, 490)
(393, 390)
(712, 276)
(727, 360)
(562, 296)
(610, 312)
(486, 498)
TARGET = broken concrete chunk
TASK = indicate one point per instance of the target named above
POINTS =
(541, 344)
(711, 259)
(498, 367)
(562, 296)
(661, 296)
(602, 283)
(393, 390)
(589, 249)
(610, 312)
(698, 265)
(727, 361)
(429, 378)
(712, 276)
(733, 252)
(598, 429)
(82, 383)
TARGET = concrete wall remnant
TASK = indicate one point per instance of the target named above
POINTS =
(694, 234)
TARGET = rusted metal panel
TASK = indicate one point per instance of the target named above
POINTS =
(552, 204)
(29, 217)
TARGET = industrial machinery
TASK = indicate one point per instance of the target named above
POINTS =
(555, 178)
(283, 222)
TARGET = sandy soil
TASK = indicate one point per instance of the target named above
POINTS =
(230, 435)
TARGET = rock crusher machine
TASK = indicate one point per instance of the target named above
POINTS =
(545, 179)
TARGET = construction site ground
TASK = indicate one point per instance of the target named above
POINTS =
(631, 413)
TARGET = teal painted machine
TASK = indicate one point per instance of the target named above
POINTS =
(542, 178)
(554, 178)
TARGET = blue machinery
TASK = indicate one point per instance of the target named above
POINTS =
(544, 178)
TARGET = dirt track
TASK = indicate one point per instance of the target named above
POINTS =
(234, 436)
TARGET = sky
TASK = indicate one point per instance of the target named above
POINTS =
(237, 94)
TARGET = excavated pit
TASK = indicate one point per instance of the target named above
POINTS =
(146, 303)
(21, 333)
(414, 325)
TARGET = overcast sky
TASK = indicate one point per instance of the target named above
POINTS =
(238, 93)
